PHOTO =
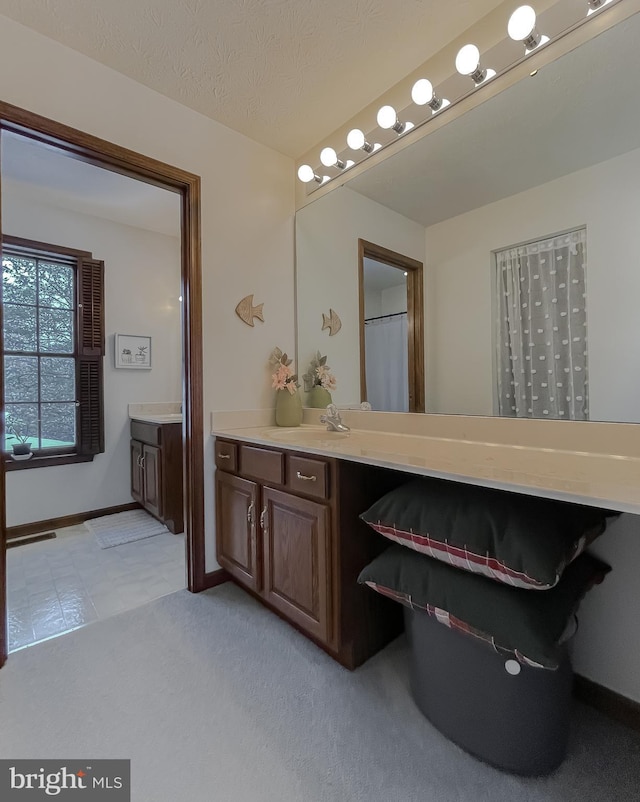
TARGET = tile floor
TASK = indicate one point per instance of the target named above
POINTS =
(61, 584)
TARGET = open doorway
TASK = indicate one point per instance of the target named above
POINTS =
(391, 329)
(87, 252)
(91, 150)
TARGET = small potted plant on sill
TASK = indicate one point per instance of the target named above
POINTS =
(22, 448)
(318, 381)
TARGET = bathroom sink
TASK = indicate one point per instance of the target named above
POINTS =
(308, 437)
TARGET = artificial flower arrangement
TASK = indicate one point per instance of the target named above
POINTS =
(284, 378)
(319, 375)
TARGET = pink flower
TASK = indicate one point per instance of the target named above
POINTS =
(326, 379)
(283, 379)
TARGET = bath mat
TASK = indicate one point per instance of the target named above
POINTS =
(125, 527)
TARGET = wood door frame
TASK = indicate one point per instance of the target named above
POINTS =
(415, 317)
(93, 150)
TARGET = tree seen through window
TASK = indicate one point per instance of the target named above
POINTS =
(39, 306)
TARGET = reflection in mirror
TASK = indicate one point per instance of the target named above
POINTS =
(386, 384)
(484, 202)
(391, 329)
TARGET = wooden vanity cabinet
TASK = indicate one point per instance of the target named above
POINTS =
(287, 530)
(156, 471)
(237, 503)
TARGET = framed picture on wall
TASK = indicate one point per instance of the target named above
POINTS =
(132, 351)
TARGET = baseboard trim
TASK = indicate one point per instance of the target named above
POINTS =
(27, 539)
(66, 520)
(215, 578)
(612, 704)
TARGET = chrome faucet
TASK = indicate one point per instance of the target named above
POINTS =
(333, 420)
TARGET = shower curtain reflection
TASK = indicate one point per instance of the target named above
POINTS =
(387, 363)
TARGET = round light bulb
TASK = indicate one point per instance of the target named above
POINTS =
(467, 60)
(387, 117)
(355, 139)
(422, 92)
(522, 23)
(305, 173)
(328, 157)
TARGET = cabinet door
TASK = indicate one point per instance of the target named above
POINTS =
(137, 491)
(236, 520)
(152, 479)
(296, 557)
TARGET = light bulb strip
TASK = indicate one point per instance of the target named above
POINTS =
(480, 75)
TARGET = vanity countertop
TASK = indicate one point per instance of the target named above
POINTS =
(597, 479)
(170, 417)
(156, 412)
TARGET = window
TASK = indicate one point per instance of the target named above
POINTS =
(542, 328)
(52, 302)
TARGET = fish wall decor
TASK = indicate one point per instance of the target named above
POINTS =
(247, 312)
(331, 322)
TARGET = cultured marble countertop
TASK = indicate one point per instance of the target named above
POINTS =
(160, 418)
(597, 479)
(156, 412)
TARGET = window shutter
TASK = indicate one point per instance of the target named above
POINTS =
(91, 409)
(91, 307)
(90, 355)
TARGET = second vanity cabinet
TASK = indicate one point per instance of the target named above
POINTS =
(156, 471)
(288, 531)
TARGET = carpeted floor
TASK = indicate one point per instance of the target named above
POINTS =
(215, 699)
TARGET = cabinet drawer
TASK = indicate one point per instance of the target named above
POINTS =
(226, 456)
(150, 433)
(308, 476)
(262, 463)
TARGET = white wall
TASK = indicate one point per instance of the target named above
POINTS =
(247, 208)
(394, 299)
(142, 287)
(327, 233)
(460, 319)
(606, 198)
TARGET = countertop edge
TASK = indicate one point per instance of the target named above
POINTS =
(250, 435)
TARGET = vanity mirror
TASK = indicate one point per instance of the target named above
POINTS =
(524, 212)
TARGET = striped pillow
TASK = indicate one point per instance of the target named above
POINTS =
(522, 541)
(513, 622)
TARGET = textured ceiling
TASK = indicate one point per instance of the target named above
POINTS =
(283, 72)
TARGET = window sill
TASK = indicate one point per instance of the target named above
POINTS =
(38, 461)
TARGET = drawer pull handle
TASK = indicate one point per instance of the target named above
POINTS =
(306, 478)
(250, 514)
(264, 521)
(142, 460)
(224, 456)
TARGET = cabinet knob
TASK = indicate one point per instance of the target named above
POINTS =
(305, 478)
